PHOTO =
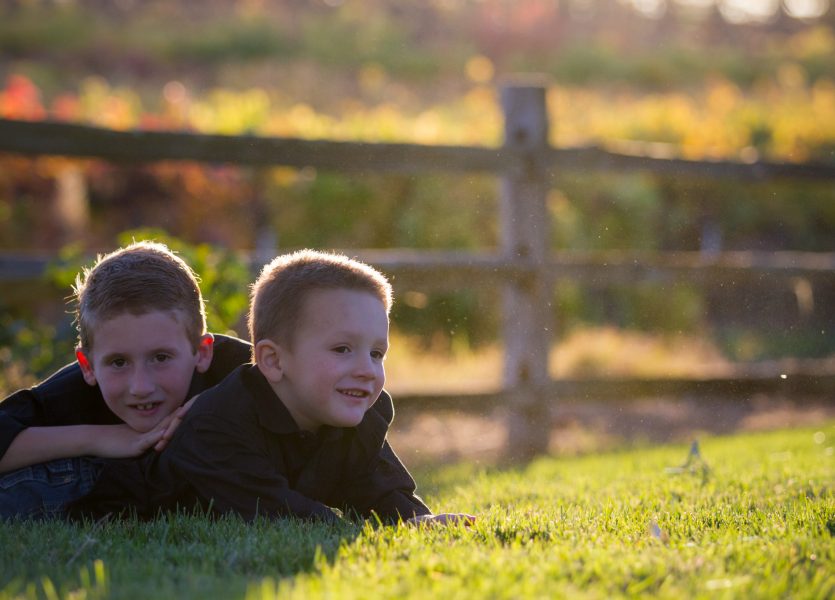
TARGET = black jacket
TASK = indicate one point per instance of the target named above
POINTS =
(238, 450)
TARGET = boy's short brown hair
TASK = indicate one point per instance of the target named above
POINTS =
(139, 278)
(279, 293)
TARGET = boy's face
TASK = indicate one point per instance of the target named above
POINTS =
(334, 371)
(144, 365)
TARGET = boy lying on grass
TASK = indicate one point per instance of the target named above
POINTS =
(302, 431)
(143, 351)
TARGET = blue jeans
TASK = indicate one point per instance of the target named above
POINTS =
(46, 489)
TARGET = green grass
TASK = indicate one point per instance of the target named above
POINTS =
(759, 524)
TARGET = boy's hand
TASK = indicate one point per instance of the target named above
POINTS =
(121, 441)
(442, 519)
(169, 425)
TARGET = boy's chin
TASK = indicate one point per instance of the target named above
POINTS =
(347, 420)
(142, 424)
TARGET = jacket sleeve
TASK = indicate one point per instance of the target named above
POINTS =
(388, 490)
(63, 399)
(383, 485)
(214, 466)
(17, 412)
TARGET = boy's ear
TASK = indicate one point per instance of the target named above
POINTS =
(205, 352)
(86, 367)
(269, 358)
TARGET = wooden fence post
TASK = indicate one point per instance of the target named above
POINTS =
(71, 205)
(525, 235)
(264, 234)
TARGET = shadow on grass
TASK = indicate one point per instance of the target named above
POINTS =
(178, 552)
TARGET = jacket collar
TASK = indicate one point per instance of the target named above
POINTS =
(272, 414)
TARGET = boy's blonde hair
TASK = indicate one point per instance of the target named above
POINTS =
(279, 293)
(137, 279)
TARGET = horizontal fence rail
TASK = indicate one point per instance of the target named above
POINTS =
(66, 139)
(802, 385)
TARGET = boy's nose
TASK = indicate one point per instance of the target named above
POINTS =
(365, 368)
(141, 384)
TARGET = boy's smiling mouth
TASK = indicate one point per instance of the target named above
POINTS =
(355, 393)
(146, 407)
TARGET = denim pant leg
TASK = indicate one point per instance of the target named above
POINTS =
(44, 490)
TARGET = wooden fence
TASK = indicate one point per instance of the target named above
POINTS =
(523, 267)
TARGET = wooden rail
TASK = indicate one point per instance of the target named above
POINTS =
(522, 267)
(800, 385)
(66, 139)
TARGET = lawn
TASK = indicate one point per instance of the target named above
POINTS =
(755, 518)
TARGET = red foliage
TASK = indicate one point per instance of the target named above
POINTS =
(21, 99)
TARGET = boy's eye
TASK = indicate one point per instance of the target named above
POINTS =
(341, 349)
(161, 357)
(378, 354)
(118, 362)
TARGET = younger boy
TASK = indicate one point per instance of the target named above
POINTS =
(303, 430)
(143, 350)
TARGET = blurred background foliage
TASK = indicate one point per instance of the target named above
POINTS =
(720, 80)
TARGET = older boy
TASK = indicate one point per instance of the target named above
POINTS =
(304, 428)
(143, 350)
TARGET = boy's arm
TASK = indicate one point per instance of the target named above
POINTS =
(64, 399)
(379, 483)
(398, 500)
(386, 489)
(35, 445)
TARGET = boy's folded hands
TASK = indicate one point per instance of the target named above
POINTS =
(122, 441)
(169, 425)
